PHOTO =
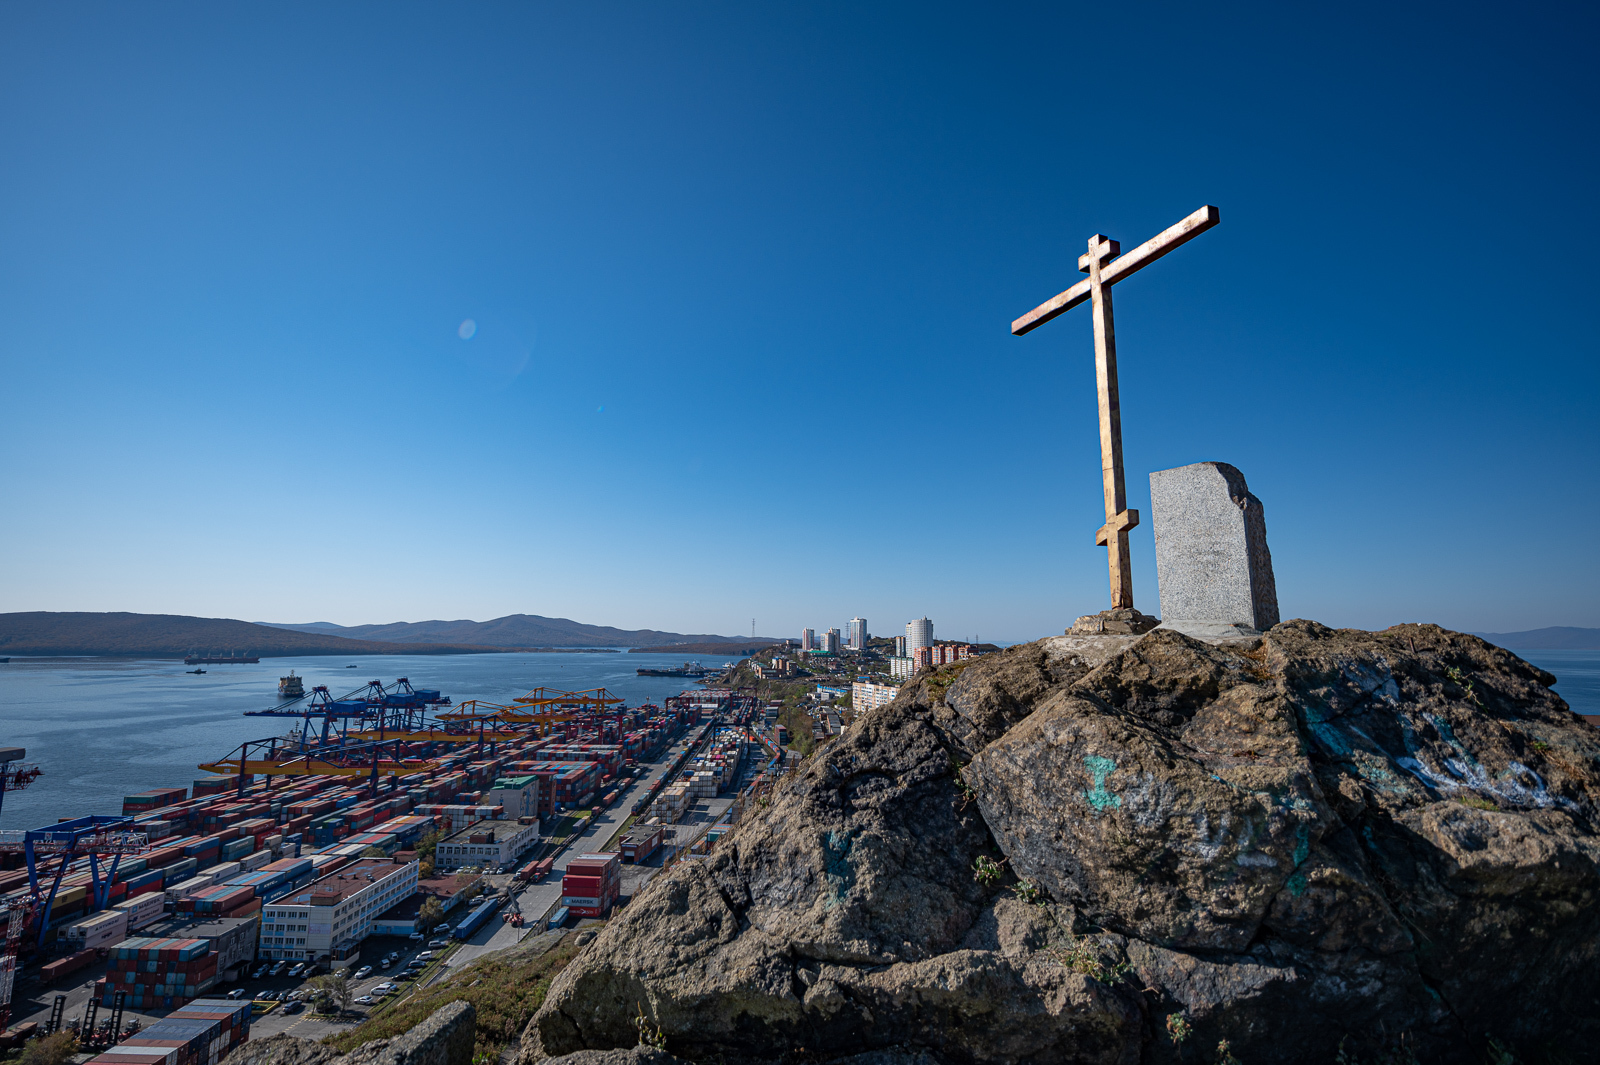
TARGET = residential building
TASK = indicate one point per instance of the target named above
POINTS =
(330, 917)
(493, 843)
(919, 633)
(830, 642)
(867, 695)
(808, 639)
(900, 647)
(856, 634)
(901, 666)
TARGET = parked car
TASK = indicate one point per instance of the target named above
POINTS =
(277, 970)
(387, 961)
(237, 993)
(260, 970)
(297, 968)
(408, 974)
(437, 943)
(294, 1007)
(424, 956)
(365, 1000)
(415, 937)
(363, 972)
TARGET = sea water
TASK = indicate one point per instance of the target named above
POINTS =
(102, 728)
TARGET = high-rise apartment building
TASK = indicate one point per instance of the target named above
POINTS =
(830, 641)
(808, 640)
(856, 634)
(900, 647)
(919, 633)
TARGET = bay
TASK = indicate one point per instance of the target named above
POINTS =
(102, 728)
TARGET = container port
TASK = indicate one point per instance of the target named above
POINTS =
(298, 847)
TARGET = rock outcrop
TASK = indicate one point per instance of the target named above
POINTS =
(1068, 850)
(445, 1038)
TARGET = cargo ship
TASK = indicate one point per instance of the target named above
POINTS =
(290, 687)
(688, 669)
(229, 659)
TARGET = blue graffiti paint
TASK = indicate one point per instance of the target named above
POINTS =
(1099, 768)
(836, 866)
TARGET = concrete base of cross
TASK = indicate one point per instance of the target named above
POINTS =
(1214, 631)
(1119, 622)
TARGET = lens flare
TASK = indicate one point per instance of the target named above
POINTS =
(466, 329)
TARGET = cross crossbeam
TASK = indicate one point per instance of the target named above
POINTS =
(1105, 265)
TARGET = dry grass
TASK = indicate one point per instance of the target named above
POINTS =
(506, 988)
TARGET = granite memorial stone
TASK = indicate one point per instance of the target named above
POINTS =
(1212, 561)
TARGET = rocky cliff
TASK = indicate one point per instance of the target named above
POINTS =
(1130, 849)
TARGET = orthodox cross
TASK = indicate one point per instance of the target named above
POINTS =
(1105, 266)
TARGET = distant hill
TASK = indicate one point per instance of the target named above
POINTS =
(519, 630)
(731, 650)
(41, 632)
(1554, 638)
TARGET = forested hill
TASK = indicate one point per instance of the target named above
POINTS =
(1554, 638)
(520, 630)
(41, 632)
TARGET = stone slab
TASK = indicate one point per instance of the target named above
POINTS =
(1212, 562)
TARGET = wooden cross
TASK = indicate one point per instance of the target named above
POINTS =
(1105, 265)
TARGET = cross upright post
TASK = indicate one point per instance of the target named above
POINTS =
(1105, 265)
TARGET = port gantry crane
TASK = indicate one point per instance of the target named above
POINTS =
(95, 836)
(15, 774)
(390, 719)
(543, 708)
(372, 712)
(273, 757)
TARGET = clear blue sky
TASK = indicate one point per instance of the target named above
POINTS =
(742, 275)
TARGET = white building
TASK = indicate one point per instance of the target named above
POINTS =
(808, 640)
(865, 695)
(919, 633)
(495, 843)
(900, 646)
(331, 916)
(830, 641)
(856, 634)
(901, 666)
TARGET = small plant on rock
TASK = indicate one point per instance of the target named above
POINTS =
(1224, 1055)
(985, 870)
(1080, 957)
(1178, 1029)
(1028, 891)
(1499, 1055)
(649, 1036)
(967, 794)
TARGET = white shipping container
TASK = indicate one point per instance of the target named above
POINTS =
(251, 862)
(187, 887)
(101, 930)
(151, 906)
(221, 874)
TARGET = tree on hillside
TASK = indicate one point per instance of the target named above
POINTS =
(337, 994)
(431, 915)
(428, 845)
(56, 1049)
